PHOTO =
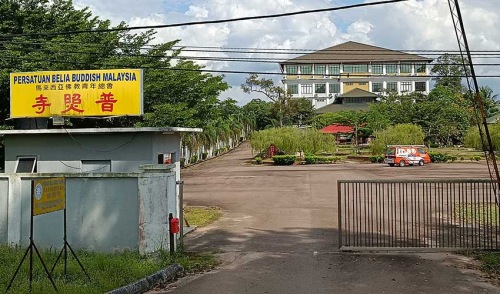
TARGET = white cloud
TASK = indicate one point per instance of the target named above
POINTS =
(414, 24)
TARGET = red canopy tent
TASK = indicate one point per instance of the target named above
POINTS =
(337, 129)
(340, 132)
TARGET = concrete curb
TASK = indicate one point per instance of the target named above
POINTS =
(147, 283)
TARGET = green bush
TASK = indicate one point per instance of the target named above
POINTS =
(313, 159)
(258, 160)
(405, 134)
(204, 155)
(284, 159)
(183, 161)
(477, 157)
(290, 140)
(194, 159)
(440, 157)
(377, 159)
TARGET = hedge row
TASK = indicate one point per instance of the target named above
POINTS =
(284, 159)
(322, 159)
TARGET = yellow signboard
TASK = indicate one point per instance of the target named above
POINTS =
(113, 92)
(49, 195)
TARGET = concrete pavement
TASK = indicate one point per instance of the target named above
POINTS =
(279, 232)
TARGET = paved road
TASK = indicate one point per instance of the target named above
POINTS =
(278, 233)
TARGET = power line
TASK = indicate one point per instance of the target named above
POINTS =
(211, 58)
(247, 50)
(206, 22)
(344, 75)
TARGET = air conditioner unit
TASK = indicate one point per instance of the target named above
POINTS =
(326, 77)
(284, 77)
(298, 77)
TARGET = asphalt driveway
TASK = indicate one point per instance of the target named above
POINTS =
(279, 232)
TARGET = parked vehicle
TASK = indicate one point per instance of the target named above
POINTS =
(402, 155)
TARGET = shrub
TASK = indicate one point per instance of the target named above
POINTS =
(258, 160)
(377, 159)
(440, 157)
(405, 134)
(183, 161)
(291, 140)
(194, 159)
(284, 159)
(313, 159)
(204, 155)
(477, 157)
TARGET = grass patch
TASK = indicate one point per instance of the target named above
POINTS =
(490, 262)
(484, 213)
(108, 271)
(201, 216)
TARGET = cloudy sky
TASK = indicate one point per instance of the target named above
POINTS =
(410, 25)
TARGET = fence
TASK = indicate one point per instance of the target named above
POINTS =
(431, 214)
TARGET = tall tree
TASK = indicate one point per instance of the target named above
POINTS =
(259, 111)
(276, 94)
(449, 71)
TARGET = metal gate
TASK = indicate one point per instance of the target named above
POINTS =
(417, 214)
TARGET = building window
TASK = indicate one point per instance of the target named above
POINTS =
(334, 69)
(405, 86)
(391, 68)
(334, 88)
(357, 100)
(406, 67)
(320, 89)
(420, 86)
(355, 68)
(306, 69)
(292, 69)
(349, 84)
(420, 68)
(377, 87)
(306, 89)
(377, 69)
(293, 89)
(26, 164)
(362, 83)
(392, 86)
(320, 70)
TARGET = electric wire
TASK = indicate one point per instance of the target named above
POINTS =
(219, 21)
(97, 150)
(203, 70)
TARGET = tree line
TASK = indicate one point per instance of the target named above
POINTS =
(177, 92)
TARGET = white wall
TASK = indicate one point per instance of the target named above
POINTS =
(105, 212)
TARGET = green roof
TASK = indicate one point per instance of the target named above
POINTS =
(357, 92)
(342, 107)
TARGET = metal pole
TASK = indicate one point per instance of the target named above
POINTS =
(65, 247)
(181, 212)
(31, 235)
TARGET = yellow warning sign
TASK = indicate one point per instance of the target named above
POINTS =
(49, 195)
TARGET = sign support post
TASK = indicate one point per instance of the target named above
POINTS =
(64, 251)
(30, 250)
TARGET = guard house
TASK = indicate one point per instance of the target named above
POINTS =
(120, 186)
(113, 150)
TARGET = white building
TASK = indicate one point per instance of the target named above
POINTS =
(323, 75)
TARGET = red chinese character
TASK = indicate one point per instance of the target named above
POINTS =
(72, 103)
(107, 101)
(41, 103)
